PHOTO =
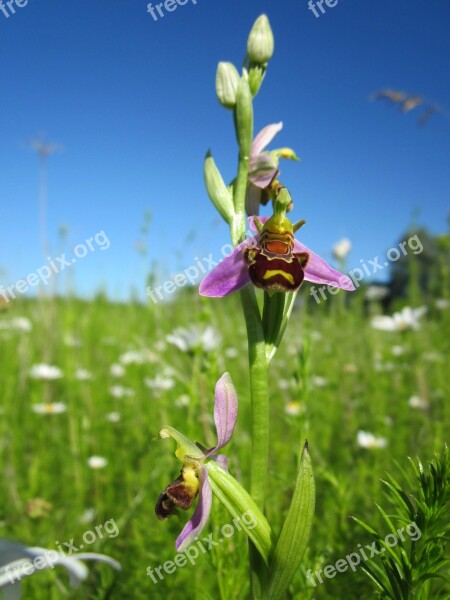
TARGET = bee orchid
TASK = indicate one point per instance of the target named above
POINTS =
(194, 477)
(263, 167)
(273, 260)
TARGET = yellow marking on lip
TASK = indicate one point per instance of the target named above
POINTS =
(271, 273)
(190, 478)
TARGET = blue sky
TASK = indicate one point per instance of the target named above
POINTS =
(132, 102)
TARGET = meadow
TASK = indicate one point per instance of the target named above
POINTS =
(126, 370)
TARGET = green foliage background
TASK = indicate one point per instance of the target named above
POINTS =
(366, 386)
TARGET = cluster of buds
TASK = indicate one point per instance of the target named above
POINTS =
(260, 47)
(236, 92)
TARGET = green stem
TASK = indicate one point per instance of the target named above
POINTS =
(241, 185)
(238, 221)
(243, 121)
(259, 389)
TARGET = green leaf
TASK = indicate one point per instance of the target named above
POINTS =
(277, 311)
(377, 581)
(218, 192)
(296, 530)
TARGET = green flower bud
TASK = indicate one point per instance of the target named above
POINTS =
(218, 192)
(260, 43)
(227, 81)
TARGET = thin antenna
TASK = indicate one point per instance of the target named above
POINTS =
(44, 150)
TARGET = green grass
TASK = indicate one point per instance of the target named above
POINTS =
(45, 456)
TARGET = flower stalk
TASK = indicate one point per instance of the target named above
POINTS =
(258, 366)
(277, 263)
(259, 393)
(243, 121)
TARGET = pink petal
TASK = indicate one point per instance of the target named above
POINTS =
(318, 271)
(262, 169)
(197, 523)
(264, 137)
(230, 275)
(225, 411)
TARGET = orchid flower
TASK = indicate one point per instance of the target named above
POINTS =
(263, 167)
(194, 477)
(273, 260)
(18, 561)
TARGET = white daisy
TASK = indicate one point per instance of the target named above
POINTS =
(137, 357)
(283, 384)
(182, 400)
(318, 381)
(407, 318)
(375, 293)
(45, 372)
(49, 408)
(231, 352)
(97, 462)
(17, 324)
(294, 408)
(88, 516)
(83, 375)
(442, 303)
(418, 402)
(117, 370)
(193, 337)
(119, 391)
(71, 341)
(342, 248)
(113, 417)
(159, 383)
(364, 439)
(21, 324)
(398, 350)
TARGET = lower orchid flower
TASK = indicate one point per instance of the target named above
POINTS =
(194, 478)
(205, 472)
(273, 260)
